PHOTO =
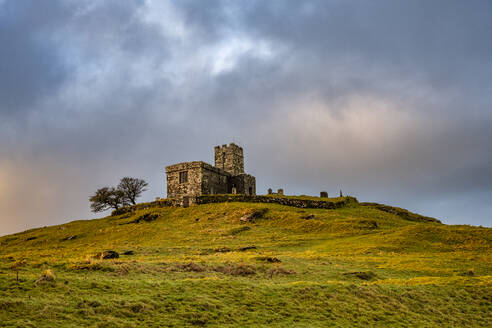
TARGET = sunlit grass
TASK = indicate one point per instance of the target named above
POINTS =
(202, 266)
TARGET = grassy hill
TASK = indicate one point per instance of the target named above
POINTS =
(241, 264)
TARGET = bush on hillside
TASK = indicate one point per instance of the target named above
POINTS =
(132, 188)
(126, 193)
(106, 198)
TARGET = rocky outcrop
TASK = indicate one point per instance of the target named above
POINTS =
(402, 213)
(107, 255)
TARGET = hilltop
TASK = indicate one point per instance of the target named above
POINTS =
(238, 262)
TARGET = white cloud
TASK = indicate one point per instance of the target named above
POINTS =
(224, 56)
(164, 14)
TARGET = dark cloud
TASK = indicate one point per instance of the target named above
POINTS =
(387, 100)
(30, 66)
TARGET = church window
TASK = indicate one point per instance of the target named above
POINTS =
(183, 177)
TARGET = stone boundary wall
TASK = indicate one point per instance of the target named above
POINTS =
(288, 201)
(208, 199)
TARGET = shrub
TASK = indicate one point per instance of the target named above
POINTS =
(106, 198)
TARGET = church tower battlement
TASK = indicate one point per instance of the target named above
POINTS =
(230, 158)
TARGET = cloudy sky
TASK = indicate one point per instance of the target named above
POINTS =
(390, 101)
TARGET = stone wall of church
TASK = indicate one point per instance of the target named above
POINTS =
(243, 184)
(193, 184)
(186, 180)
(214, 180)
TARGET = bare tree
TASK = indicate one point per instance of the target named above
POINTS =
(106, 198)
(132, 188)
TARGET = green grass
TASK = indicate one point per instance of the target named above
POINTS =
(356, 266)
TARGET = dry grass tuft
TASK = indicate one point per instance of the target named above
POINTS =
(236, 269)
(364, 275)
(279, 271)
(236, 231)
(190, 267)
(48, 276)
(268, 259)
(89, 265)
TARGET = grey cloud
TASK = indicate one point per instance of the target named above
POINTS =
(30, 66)
(388, 100)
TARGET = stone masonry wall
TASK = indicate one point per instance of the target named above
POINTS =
(192, 187)
(204, 179)
(243, 183)
(214, 180)
(207, 199)
(295, 202)
(230, 158)
(249, 185)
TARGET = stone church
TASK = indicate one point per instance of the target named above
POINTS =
(199, 178)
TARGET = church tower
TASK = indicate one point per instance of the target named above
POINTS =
(230, 158)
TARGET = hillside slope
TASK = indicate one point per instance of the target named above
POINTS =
(248, 264)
